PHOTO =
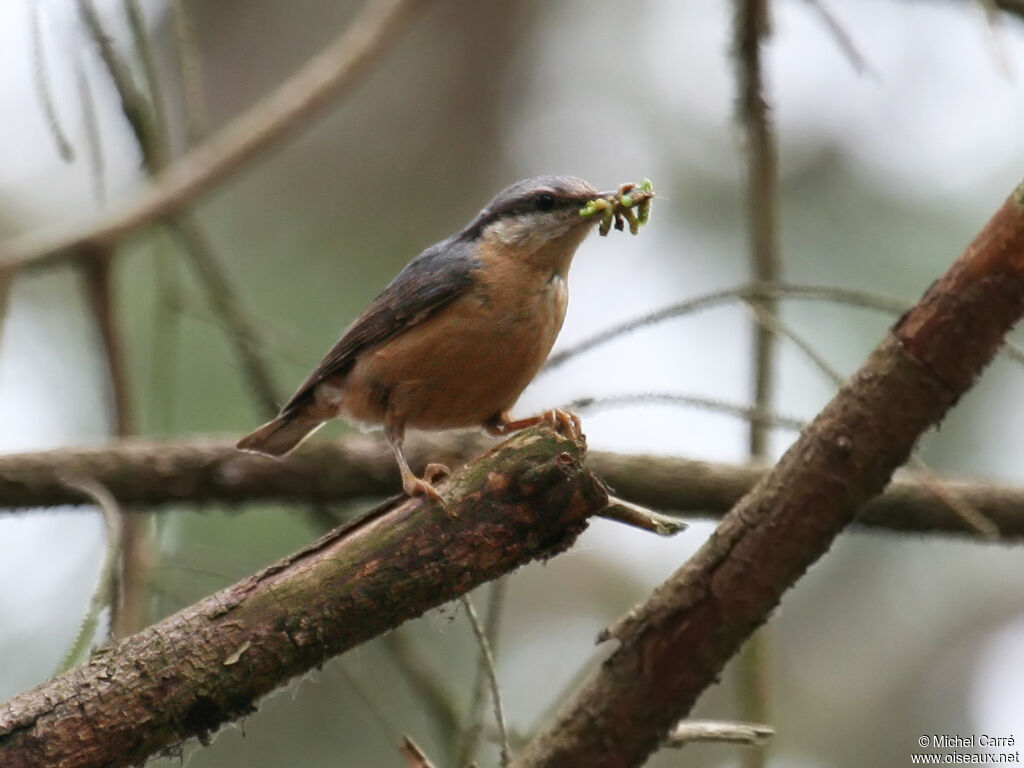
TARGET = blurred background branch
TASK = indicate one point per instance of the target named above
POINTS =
(200, 472)
(323, 79)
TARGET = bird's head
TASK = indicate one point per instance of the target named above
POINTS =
(536, 220)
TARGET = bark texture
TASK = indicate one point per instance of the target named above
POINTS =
(675, 644)
(210, 663)
(149, 475)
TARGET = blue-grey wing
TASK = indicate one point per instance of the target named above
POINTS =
(429, 282)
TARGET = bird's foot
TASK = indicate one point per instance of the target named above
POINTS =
(566, 422)
(415, 486)
(563, 421)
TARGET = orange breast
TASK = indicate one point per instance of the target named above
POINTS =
(468, 362)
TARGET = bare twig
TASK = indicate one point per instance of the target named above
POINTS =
(747, 292)
(155, 150)
(144, 53)
(413, 755)
(134, 106)
(842, 38)
(222, 297)
(190, 66)
(745, 412)
(635, 516)
(471, 738)
(292, 105)
(42, 83)
(107, 586)
(90, 127)
(723, 732)
(492, 676)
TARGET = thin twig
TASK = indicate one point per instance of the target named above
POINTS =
(107, 587)
(190, 67)
(745, 412)
(843, 38)
(492, 676)
(778, 328)
(134, 106)
(471, 738)
(723, 732)
(221, 294)
(42, 83)
(90, 127)
(746, 292)
(413, 755)
(339, 67)
(144, 53)
(963, 508)
(636, 516)
(219, 290)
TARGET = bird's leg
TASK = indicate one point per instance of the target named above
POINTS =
(502, 423)
(412, 485)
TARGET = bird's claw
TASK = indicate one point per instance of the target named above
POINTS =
(566, 422)
(415, 486)
(435, 472)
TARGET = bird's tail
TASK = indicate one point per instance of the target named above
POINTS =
(278, 437)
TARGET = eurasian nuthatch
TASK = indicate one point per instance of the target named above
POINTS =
(457, 336)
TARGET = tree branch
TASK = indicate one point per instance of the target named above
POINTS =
(675, 644)
(211, 662)
(338, 67)
(196, 472)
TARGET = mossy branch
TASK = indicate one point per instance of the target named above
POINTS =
(211, 662)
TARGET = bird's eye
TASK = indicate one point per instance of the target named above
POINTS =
(545, 201)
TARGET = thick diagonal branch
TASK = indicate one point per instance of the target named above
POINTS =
(211, 662)
(675, 644)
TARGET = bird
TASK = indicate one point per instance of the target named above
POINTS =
(455, 338)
